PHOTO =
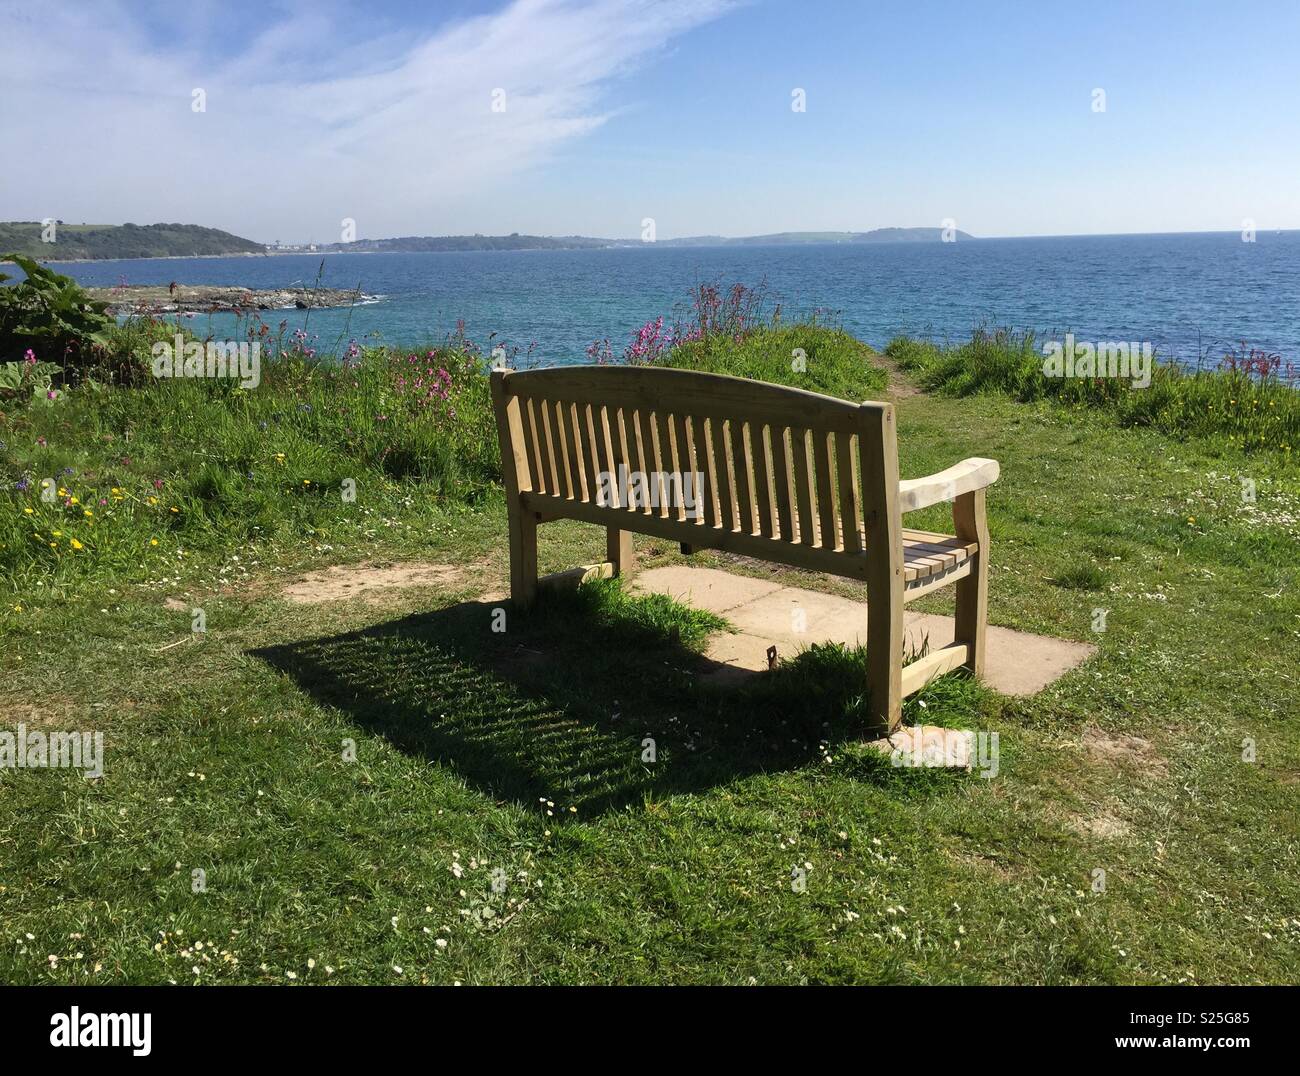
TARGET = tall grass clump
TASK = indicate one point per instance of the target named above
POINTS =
(1251, 410)
(731, 331)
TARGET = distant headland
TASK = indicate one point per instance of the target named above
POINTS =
(59, 242)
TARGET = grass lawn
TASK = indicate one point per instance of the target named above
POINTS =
(389, 790)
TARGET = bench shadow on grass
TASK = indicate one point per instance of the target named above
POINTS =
(559, 704)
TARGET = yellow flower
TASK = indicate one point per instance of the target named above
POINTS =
(28, 511)
(57, 534)
(87, 513)
(153, 541)
(1191, 519)
(115, 490)
(62, 492)
(153, 500)
(73, 500)
(74, 543)
(18, 608)
(175, 509)
(306, 481)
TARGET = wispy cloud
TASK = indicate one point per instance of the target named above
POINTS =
(318, 115)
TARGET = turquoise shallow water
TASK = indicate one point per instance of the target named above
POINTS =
(1193, 296)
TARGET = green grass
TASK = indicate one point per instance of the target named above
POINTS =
(807, 356)
(351, 775)
(139, 478)
(1222, 407)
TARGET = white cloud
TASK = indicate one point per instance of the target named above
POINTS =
(314, 118)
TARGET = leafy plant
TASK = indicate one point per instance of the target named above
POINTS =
(52, 313)
(19, 380)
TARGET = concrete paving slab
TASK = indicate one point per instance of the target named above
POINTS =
(704, 588)
(791, 618)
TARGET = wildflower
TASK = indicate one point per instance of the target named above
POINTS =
(153, 541)
(28, 511)
(75, 544)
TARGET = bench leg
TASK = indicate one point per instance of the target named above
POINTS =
(523, 557)
(968, 518)
(618, 550)
(885, 648)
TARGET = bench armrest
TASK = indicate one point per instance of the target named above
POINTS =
(965, 477)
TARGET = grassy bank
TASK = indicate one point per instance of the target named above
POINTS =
(1228, 407)
(384, 789)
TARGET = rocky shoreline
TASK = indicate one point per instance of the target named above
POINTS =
(209, 299)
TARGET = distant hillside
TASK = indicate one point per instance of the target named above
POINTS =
(515, 241)
(877, 235)
(77, 241)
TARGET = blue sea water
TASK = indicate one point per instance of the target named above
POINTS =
(1191, 295)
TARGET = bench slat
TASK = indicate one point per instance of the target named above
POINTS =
(741, 468)
(646, 453)
(850, 510)
(782, 501)
(605, 454)
(554, 453)
(762, 477)
(682, 458)
(823, 446)
(667, 463)
(573, 459)
(722, 474)
(588, 415)
(806, 533)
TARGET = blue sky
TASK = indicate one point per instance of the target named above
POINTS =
(680, 111)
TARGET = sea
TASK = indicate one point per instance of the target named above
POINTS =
(1195, 297)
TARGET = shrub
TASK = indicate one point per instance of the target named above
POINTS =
(52, 316)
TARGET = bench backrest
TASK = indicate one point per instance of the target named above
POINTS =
(795, 467)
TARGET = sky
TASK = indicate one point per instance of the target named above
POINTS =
(589, 117)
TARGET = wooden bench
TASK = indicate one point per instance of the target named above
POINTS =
(784, 475)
